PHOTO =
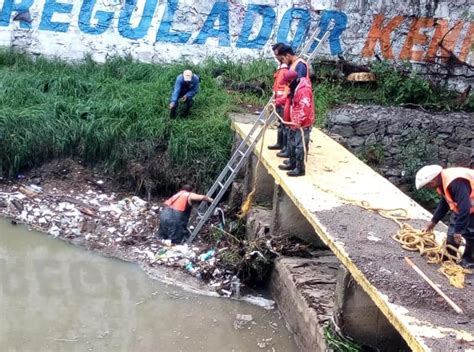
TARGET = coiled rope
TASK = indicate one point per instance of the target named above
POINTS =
(411, 239)
(416, 240)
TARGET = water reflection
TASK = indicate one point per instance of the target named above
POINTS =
(55, 297)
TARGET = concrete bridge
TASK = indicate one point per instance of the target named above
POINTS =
(387, 297)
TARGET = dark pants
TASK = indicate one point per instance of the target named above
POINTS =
(296, 146)
(282, 129)
(173, 225)
(468, 232)
(188, 103)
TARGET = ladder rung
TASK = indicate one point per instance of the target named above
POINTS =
(241, 153)
(220, 184)
(231, 169)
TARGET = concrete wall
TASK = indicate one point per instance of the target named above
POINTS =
(404, 139)
(304, 292)
(422, 31)
(359, 318)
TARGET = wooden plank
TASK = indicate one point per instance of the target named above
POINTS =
(332, 172)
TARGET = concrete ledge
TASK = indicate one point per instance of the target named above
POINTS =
(287, 220)
(264, 183)
(335, 176)
(360, 319)
(304, 292)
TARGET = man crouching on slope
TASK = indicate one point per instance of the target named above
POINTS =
(302, 118)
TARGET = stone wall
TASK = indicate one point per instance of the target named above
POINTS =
(397, 141)
(435, 35)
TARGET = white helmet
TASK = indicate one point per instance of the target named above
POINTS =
(427, 174)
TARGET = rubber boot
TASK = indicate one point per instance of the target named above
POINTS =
(287, 167)
(467, 261)
(284, 153)
(298, 170)
(279, 144)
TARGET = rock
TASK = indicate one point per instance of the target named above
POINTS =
(463, 133)
(371, 140)
(344, 131)
(366, 127)
(356, 141)
(342, 118)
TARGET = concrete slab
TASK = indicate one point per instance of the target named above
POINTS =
(261, 179)
(359, 318)
(288, 220)
(304, 291)
(335, 176)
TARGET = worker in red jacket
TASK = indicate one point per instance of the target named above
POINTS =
(455, 185)
(285, 54)
(175, 215)
(302, 118)
(280, 92)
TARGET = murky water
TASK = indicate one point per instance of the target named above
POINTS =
(56, 297)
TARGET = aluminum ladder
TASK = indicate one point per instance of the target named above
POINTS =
(227, 175)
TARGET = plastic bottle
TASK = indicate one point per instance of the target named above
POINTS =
(235, 286)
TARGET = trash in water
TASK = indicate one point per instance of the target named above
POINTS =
(241, 321)
(207, 255)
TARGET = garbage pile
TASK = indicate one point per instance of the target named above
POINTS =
(111, 224)
(69, 201)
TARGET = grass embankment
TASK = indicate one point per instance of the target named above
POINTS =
(115, 115)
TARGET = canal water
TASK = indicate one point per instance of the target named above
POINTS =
(57, 297)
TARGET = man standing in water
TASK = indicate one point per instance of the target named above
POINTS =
(175, 216)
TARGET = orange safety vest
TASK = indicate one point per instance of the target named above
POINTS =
(296, 62)
(293, 67)
(278, 88)
(179, 201)
(449, 175)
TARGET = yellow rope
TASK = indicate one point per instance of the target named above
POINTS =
(247, 204)
(420, 241)
(410, 238)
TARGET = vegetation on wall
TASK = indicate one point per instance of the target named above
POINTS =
(392, 87)
(417, 151)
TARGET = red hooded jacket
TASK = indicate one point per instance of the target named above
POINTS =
(302, 105)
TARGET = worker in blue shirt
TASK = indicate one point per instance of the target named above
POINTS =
(185, 88)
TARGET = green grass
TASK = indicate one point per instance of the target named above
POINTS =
(339, 343)
(115, 115)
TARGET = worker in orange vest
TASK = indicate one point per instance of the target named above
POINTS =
(285, 54)
(456, 187)
(175, 216)
(280, 92)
